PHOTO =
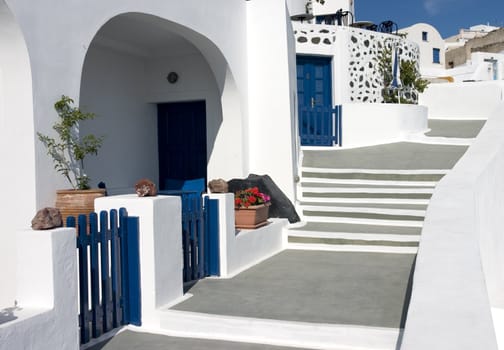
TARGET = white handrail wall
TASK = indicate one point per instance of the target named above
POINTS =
(459, 272)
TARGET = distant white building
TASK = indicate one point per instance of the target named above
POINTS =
(432, 48)
(464, 35)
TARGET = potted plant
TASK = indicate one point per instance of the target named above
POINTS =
(68, 152)
(251, 208)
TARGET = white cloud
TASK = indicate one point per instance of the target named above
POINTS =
(432, 6)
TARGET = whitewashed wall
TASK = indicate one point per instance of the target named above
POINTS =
(254, 84)
(46, 314)
(272, 94)
(434, 40)
(459, 269)
(234, 50)
(17, 152)
(476, 100)
(110, 88)
(366, 124)
(123, 90)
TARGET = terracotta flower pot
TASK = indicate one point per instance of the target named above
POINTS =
(76, 202)
(252, 217)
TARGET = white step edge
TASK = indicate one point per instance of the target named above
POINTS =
(422, 201)
(353, 248)
(356, 236)
(440, 140)
(274, 332)
(384, 211)
(377, 171)
(357, 182)
(366, 190)
(344, 220)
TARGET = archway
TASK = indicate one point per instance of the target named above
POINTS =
(125, 78)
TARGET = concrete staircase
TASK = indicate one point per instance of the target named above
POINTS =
(379, 205)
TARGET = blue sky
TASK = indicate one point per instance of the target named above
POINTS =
(448, 16)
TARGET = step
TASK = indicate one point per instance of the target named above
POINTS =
(366, 200)
(320, 227)
(313, 236)
(367, 189)
(361, 211)
(274, 332)
(349, 174)
(383, 249)
(361, 240)
(317, 182)
(407, 222)
(366, 195)
(365, 205)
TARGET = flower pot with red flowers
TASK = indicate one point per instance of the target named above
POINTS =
(251, 208)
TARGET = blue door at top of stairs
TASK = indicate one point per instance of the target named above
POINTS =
(315, 109)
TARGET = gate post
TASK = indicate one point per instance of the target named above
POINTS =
(160, 249)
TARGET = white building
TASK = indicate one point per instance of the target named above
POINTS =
(431, 45)
(464, 35)
(113, 58)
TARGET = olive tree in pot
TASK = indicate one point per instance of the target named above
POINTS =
(68, 151)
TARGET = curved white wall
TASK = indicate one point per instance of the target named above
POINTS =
(459, 272)
(474, 100)
(16, 145)
(367, 124)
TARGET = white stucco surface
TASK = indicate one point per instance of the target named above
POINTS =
(459, 272)
(241, 249)
(46, 314)
(160, 249)
(16, 143)
(246, 58)
(476, 100)
(366, 124)
(434, 40)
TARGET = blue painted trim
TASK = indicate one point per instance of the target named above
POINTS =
(134, 281)
(212, 235)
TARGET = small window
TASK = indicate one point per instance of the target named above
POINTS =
(425, 36)
(435, 56)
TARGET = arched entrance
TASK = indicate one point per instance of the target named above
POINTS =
(16, 144)
(125, 82)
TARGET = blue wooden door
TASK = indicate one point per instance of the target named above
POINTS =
(315, 100)
(182, 142)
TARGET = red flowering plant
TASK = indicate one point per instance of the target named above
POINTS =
(250, 197)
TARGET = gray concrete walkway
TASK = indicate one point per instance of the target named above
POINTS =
(366, 289)
(144, 341)
(455, 128)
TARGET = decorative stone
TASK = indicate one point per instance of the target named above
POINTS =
(47, 218)
(145, 188)
(218, 186)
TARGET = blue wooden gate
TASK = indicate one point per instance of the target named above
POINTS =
(320, 126)
(200, 234)
(109, 272)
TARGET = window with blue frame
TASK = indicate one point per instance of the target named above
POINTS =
(435, 56)
(425, 36)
